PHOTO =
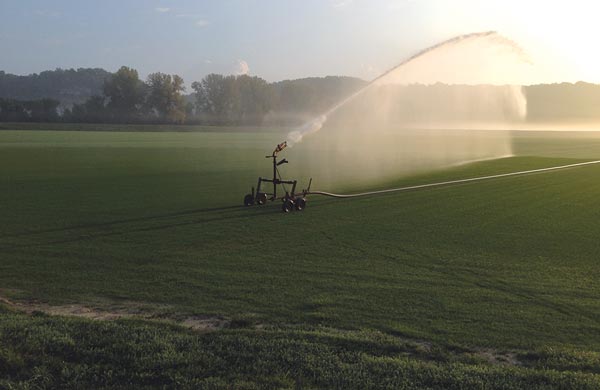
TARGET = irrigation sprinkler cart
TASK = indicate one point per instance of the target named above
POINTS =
(291, 200)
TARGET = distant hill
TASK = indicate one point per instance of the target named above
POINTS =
(563, 102)
(294, 101)
(68, 86)
(313, 94)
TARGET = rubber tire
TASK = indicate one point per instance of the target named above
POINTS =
(248, 200)
(261, 198)
(300, 204)
(288, 206)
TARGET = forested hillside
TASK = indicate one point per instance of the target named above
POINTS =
(68, 86)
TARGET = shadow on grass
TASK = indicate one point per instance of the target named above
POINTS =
(94, 230)
(118, 222)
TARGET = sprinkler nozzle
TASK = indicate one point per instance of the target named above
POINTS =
(279, 148)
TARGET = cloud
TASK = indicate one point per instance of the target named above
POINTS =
(369, 71)
(341, 3)
(162, 10)
(368, 68)
(241, 68)
(200, 21)
(188, 16)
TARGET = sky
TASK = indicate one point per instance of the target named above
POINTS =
(287, 39)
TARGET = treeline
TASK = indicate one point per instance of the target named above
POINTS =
(123, 97)
(42, 110)
(243, 99)
(127, 99)
(97, 96)
(563, 102)
(230, 100)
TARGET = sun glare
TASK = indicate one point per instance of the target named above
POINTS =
(562, 38)
(559, 37)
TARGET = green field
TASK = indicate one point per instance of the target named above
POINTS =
(492, 284)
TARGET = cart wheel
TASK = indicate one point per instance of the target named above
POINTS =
(261, 198)
(300, 204)
(248, 200)
(288, 205)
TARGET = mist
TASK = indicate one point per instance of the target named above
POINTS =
(394, 127)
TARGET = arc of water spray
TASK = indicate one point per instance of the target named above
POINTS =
(317, 123)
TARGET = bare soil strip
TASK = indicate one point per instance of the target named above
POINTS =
(129, 311)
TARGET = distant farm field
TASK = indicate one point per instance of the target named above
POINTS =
(492, 283)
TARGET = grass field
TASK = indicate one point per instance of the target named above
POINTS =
(485, 285)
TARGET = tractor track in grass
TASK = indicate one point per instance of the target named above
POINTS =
(119, 228)
(118, 222)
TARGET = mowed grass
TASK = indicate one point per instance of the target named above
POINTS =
(154, 219)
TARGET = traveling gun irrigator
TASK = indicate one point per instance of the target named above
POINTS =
(291, 200)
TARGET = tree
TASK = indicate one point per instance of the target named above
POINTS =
(93, 110)
(125, 93)
(213, 96)
(254, 99)
(12, 111)
(165, 97)
(240, 100)
(43, 110)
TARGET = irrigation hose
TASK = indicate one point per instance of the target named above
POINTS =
(445, 183)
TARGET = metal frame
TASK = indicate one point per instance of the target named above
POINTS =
(258, 198)
(276, 181)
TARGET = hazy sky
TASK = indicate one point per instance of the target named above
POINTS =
(284, 39)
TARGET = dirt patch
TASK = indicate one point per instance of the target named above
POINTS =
(205, 323)
(498, 358)
(130, 310)
(115, 312)
(80, 311)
